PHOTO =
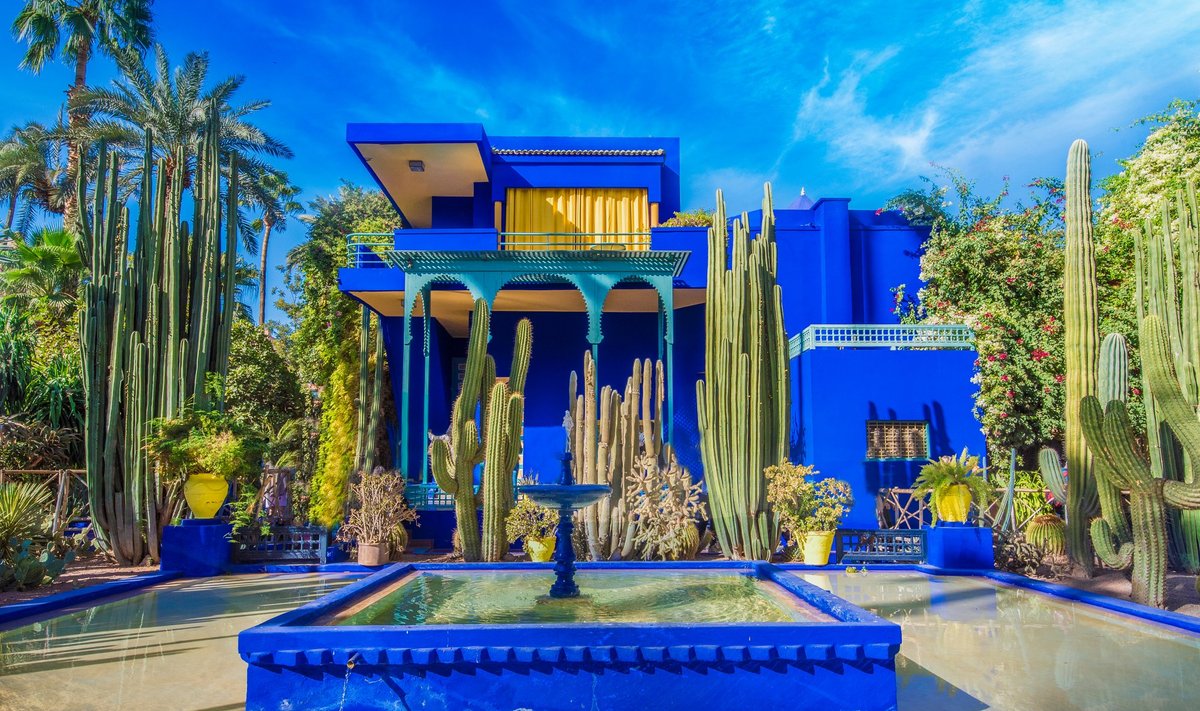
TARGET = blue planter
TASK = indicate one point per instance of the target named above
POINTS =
(198, 548)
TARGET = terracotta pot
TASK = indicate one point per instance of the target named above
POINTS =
(372, 554)
(540, 550)
(953, 503)
(816, 546)
(205, 493)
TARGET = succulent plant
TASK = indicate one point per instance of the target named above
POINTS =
(494, 440)
(743, 403)
(1047, 532)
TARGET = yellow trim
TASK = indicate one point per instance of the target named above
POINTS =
(588, 211)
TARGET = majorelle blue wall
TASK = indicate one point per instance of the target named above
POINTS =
(836, 392)
(559, 343)
(658, 174)
(839, 266)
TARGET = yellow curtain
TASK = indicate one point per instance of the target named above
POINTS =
(577, 215)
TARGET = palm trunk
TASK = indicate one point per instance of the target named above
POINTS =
(262, 273)
(12, 209)
(75, 119)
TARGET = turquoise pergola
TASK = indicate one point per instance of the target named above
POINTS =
(593, 273)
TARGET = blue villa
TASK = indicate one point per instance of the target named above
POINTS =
(566, 232)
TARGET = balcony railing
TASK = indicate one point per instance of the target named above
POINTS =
(616, 241)
(365, 249)
(895, 337)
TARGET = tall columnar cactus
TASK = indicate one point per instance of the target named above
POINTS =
(1111, 436)
(484, 432)
(607, 451)
(743, 401)
(1112, 385)
(1082, 348)
(156, 323)
(1174, 297)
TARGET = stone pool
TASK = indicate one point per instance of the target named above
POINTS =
(721, 635)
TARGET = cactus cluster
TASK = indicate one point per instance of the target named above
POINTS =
(1168, 287)
(1081, 321)
(156, 323)
(485, 428)
(610, 438)
(23, 570)
(743, 401)
(1111, 435)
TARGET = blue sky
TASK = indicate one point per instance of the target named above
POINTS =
(853, 100)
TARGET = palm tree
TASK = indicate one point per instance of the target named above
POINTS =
(280, 204)
(31, 170)
(75, 30)
(44, 275)
(171, 105)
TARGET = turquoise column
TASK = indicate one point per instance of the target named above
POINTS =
(426, 294)
(666, 291)
(404, 378)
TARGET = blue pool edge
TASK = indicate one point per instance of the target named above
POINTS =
(40, 607)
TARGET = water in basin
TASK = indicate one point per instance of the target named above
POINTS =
(465, 597)
(172, 646)
(973, 644)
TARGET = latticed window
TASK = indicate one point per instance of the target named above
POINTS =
(897, 439)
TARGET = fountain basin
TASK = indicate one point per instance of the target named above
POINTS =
(565, 496)
(773, 639)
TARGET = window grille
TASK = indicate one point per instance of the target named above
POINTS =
(897, 439)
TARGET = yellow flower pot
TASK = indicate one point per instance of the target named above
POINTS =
(540, 550)
(205, 493)
(816, 546)
(953, 503)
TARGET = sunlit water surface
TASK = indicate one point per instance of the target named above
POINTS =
(972, 644)
(968, 643)
(172, 647)
(466, 597)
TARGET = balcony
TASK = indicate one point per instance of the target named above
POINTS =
(367, 250)
(893, 337)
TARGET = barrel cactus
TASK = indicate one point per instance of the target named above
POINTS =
(1048, 532)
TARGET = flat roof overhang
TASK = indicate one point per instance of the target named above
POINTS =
(454, 157)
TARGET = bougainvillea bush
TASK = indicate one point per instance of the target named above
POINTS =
(995, 264)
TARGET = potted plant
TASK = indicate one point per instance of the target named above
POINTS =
(950, 484)
(376, 523)
(809, 511)
(533, 525)
(204, 450)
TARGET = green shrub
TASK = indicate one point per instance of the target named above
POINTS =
(804, 505)
(691, 218)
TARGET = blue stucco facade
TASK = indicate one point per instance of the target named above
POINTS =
(837, 265)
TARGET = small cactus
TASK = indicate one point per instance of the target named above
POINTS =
(1047, 532)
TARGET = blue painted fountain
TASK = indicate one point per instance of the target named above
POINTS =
(565, 497)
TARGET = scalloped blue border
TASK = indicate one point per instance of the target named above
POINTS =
(294, 640)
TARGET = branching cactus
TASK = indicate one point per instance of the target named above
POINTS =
(482, 431)
(1110, 435)
(742, 403)
(158, 311)
(1168, 287)
(607, 447)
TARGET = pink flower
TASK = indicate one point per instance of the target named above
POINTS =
(1059, 378)
(1010, 394)
(1010, 280)
(1004, 378)
(1002, 356)
(1136, 391)
(1003, 414)
(1038, 354)
(991, 358)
